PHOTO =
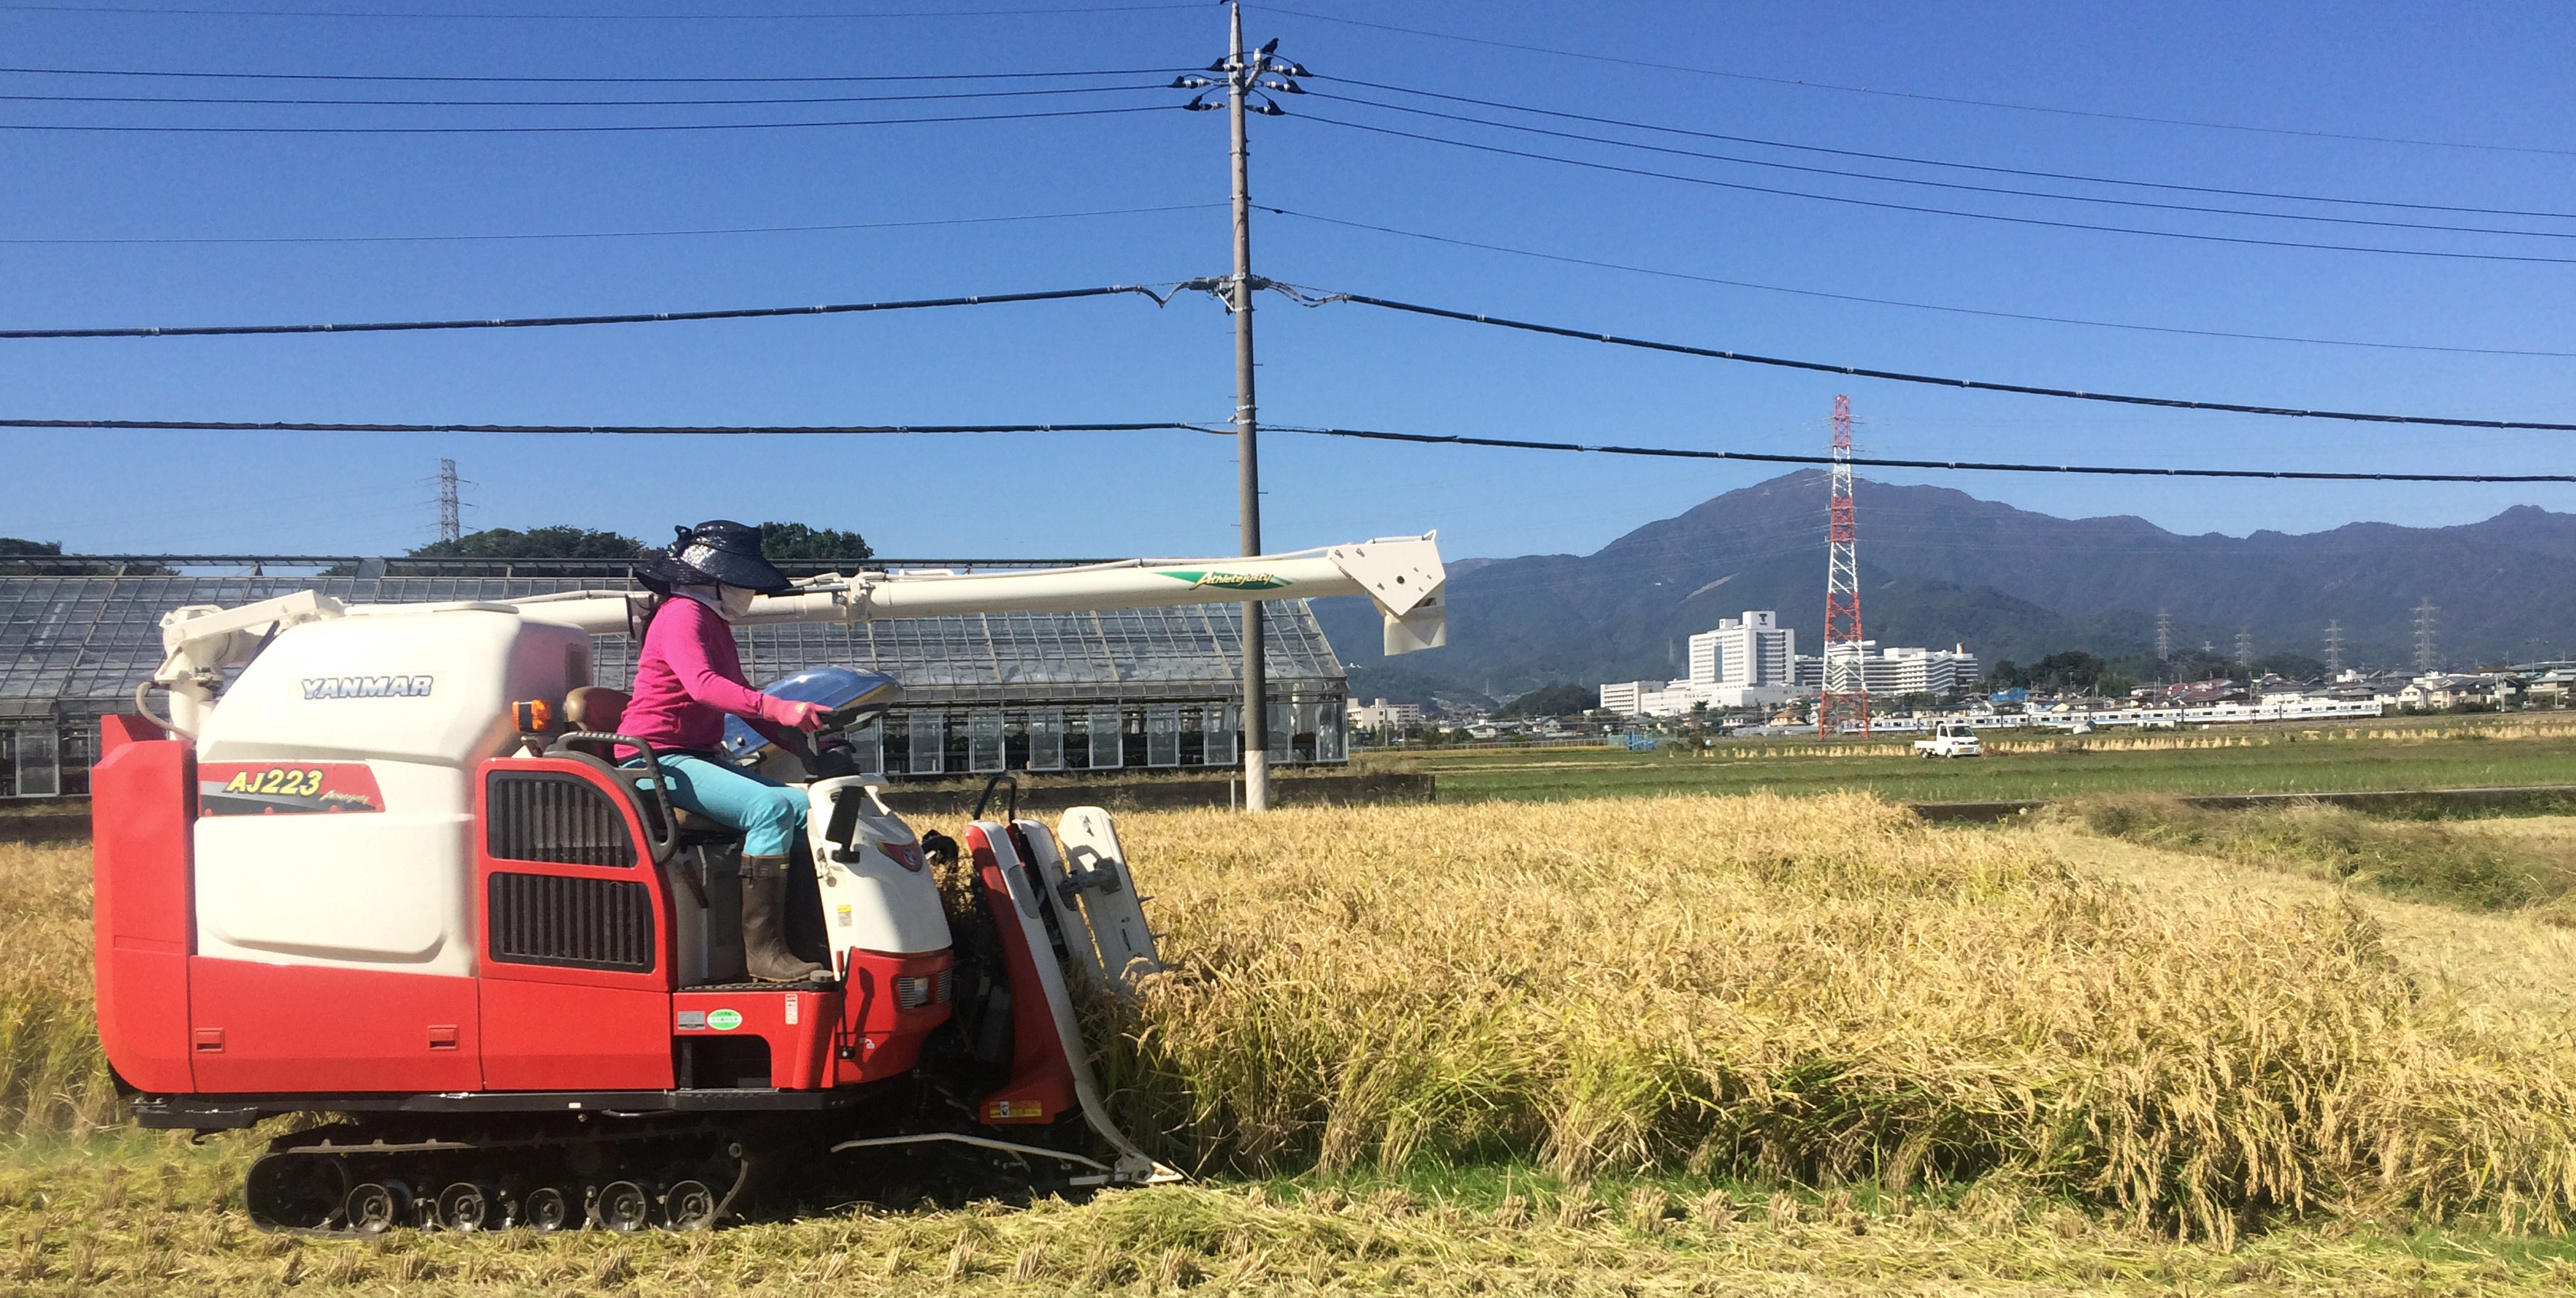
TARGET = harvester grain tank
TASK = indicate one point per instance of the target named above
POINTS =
(382, 861)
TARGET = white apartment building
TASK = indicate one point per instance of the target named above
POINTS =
(1383, 715)
(1745, 662)
(1900, 671)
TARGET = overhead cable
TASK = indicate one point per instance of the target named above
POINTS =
(1966, 466)
(1935, 211)
(492, 79)
(767, 102)
(579, 130)
(1365, 434)
(1159, 293)
(1803, 83)
(586, 17)
(618, 430)
(1911, 160)
(1318, 297)
(619, 234)
(2197, 209)
(1916, 306)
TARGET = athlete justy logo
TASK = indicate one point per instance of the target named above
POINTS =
(1225, 580)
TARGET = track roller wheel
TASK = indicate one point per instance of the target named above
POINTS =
(622, 1206)
(547, 1209)
(469, 1206)
(689, 1205)
(375, 1207)
(294, 1192)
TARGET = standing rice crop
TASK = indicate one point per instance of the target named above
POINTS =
(53, 1078)
(1816, 991)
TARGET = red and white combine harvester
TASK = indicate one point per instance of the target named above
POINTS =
(394, 873)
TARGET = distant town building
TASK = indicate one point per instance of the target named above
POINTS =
(1383, 715)
(1900, 671)
(1746, 662)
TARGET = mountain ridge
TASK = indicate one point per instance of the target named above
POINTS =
(1940, 567)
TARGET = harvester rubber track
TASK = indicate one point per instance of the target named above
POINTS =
(353, 1180)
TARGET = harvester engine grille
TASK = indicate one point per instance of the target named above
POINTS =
(555, 818)
(571, 923)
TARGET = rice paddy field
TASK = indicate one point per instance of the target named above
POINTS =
(2431, 753)
(1627, 1045)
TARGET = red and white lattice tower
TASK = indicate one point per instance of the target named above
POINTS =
(1846, 687)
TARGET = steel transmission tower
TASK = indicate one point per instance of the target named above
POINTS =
(2245, 652)
(2164, 635)
(2425, 659)
(451, 524)
(2334, 646)
(1845, 700)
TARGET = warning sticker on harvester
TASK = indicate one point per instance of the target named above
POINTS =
(724, 1020)
(285, 788)
(1012, 1110)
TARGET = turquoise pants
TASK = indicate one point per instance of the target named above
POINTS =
(768, 813)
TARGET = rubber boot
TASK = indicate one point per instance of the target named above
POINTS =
(764, 924)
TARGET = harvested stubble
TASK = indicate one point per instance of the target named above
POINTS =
(1813, 991)
(2460, 864)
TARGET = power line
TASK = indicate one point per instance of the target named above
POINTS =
(620, 430)
(490, 79)
(1957, 186)
(1314, 297)
(1973, 466)
(579, 130)
(1160, 294)
(1935, 211)
(1805, 84)
(1936, 162)
(572, 103)
(587, 17)
(624, 234)
(1365, 434)
(1917, 306)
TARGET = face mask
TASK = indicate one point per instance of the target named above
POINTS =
(733, 601)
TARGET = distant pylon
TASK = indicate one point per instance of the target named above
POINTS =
(451, 523)
(2164, 634)
(2245, 651)
(2334, 646)
(1845, 700)
(2425, 659)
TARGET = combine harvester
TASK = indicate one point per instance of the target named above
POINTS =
(394, 874)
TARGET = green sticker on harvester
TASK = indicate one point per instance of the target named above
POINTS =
(1227, 580)
(724, 1020)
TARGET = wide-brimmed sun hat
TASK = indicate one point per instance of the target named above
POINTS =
(719, 552)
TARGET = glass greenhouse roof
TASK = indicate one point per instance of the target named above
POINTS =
(80, 645)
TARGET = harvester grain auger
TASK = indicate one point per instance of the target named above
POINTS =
(395, 873)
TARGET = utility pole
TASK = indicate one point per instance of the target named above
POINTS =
(1244, 80)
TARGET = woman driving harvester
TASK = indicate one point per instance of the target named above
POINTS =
(688, 678)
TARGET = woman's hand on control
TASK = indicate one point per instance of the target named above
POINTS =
(807, 717)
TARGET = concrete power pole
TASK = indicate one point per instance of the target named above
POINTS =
(1246, 75)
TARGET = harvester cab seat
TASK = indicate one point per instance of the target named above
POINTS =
(599, 710)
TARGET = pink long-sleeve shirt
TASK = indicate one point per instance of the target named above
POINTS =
(687, 679)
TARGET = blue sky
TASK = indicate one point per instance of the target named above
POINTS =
(2493, 76)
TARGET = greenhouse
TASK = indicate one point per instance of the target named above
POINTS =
(1150, 689)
